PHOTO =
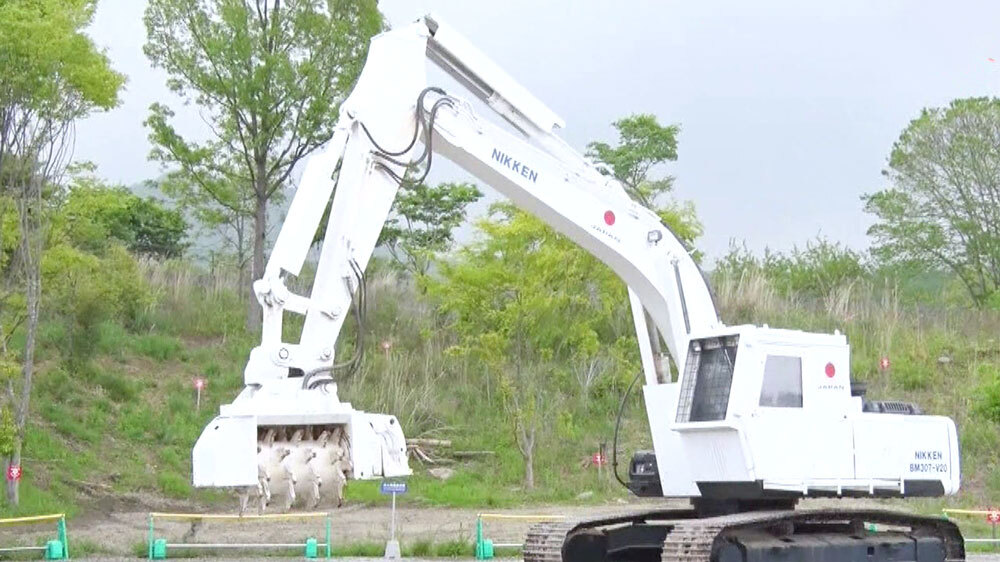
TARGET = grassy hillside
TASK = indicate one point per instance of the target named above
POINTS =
(121, 425)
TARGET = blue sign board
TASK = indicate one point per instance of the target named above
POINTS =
(392, 487)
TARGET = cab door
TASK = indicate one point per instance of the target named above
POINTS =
(780, 437)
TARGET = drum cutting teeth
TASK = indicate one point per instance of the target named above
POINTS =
(304, 465)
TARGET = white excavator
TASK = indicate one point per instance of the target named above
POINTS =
(756, 419)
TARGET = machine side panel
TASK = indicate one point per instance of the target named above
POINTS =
(675, 475)
(226, 453)
(378, 447)
(716, 454)
(906, 447)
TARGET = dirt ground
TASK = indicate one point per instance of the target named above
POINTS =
(117, 533)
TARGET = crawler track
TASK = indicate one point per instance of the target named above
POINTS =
(686, 538)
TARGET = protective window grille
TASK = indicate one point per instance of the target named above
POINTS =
(708, 378)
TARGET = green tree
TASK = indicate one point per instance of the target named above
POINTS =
(268, 77)
(526, 302)
(642, 144)
(52, 75)
(96, 215)
(942, 210)
(85, 289)
(423, 220)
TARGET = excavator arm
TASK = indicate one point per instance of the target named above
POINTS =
(533, 167)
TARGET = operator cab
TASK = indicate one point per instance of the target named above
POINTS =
(762, 413)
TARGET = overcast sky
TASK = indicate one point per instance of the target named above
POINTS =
(787, 109)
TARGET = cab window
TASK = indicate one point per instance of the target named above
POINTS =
(782, 386)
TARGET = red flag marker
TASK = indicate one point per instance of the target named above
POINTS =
(199, 383)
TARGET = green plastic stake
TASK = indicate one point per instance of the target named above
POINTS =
(329, 547)
(159, 549)
(311, 549)
(484, 547)
(63, 537)
(54, 550)
(149, 541)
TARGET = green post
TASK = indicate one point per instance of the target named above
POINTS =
(63, 536)
(54, 550)
(484, 547)
(311, 548)
(150, 545)
(329, 534)
(160, 549)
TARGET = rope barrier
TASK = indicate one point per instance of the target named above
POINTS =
(158, 547)
(55, 549)
(992, 517)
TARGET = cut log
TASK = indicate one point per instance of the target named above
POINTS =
(472, 454)
(428, 442)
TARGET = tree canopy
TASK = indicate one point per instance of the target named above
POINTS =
(942, 209)
(95, 215)
(642, 144)
(540, 312)
(423, 221)
(268, 77)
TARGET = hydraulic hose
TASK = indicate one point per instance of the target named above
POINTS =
(618, 422)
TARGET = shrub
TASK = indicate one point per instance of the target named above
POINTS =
(117, 387)
(454, 549)
(136, 422)
(819, 268)
(421, 548)
(912, 374)
(172, 484)
(96, 216)
(83, 290)
(988, 400)
(159, 347)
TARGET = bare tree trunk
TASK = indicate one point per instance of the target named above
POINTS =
(257, 266)
(13, 486)
(526, 444)
(30, 217)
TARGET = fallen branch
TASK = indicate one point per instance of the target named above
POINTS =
(472, 454)
(418, 442)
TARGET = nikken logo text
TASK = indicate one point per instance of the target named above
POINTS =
(516, 166)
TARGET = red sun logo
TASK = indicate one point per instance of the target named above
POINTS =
(830, 370)
(609, 217)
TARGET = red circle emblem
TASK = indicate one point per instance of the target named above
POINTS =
(993, 517)
(830, 370)
(609, 217)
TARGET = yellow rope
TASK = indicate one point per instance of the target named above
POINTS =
(226, 517)
(525, 517)
(32, 519)
(968, 511)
